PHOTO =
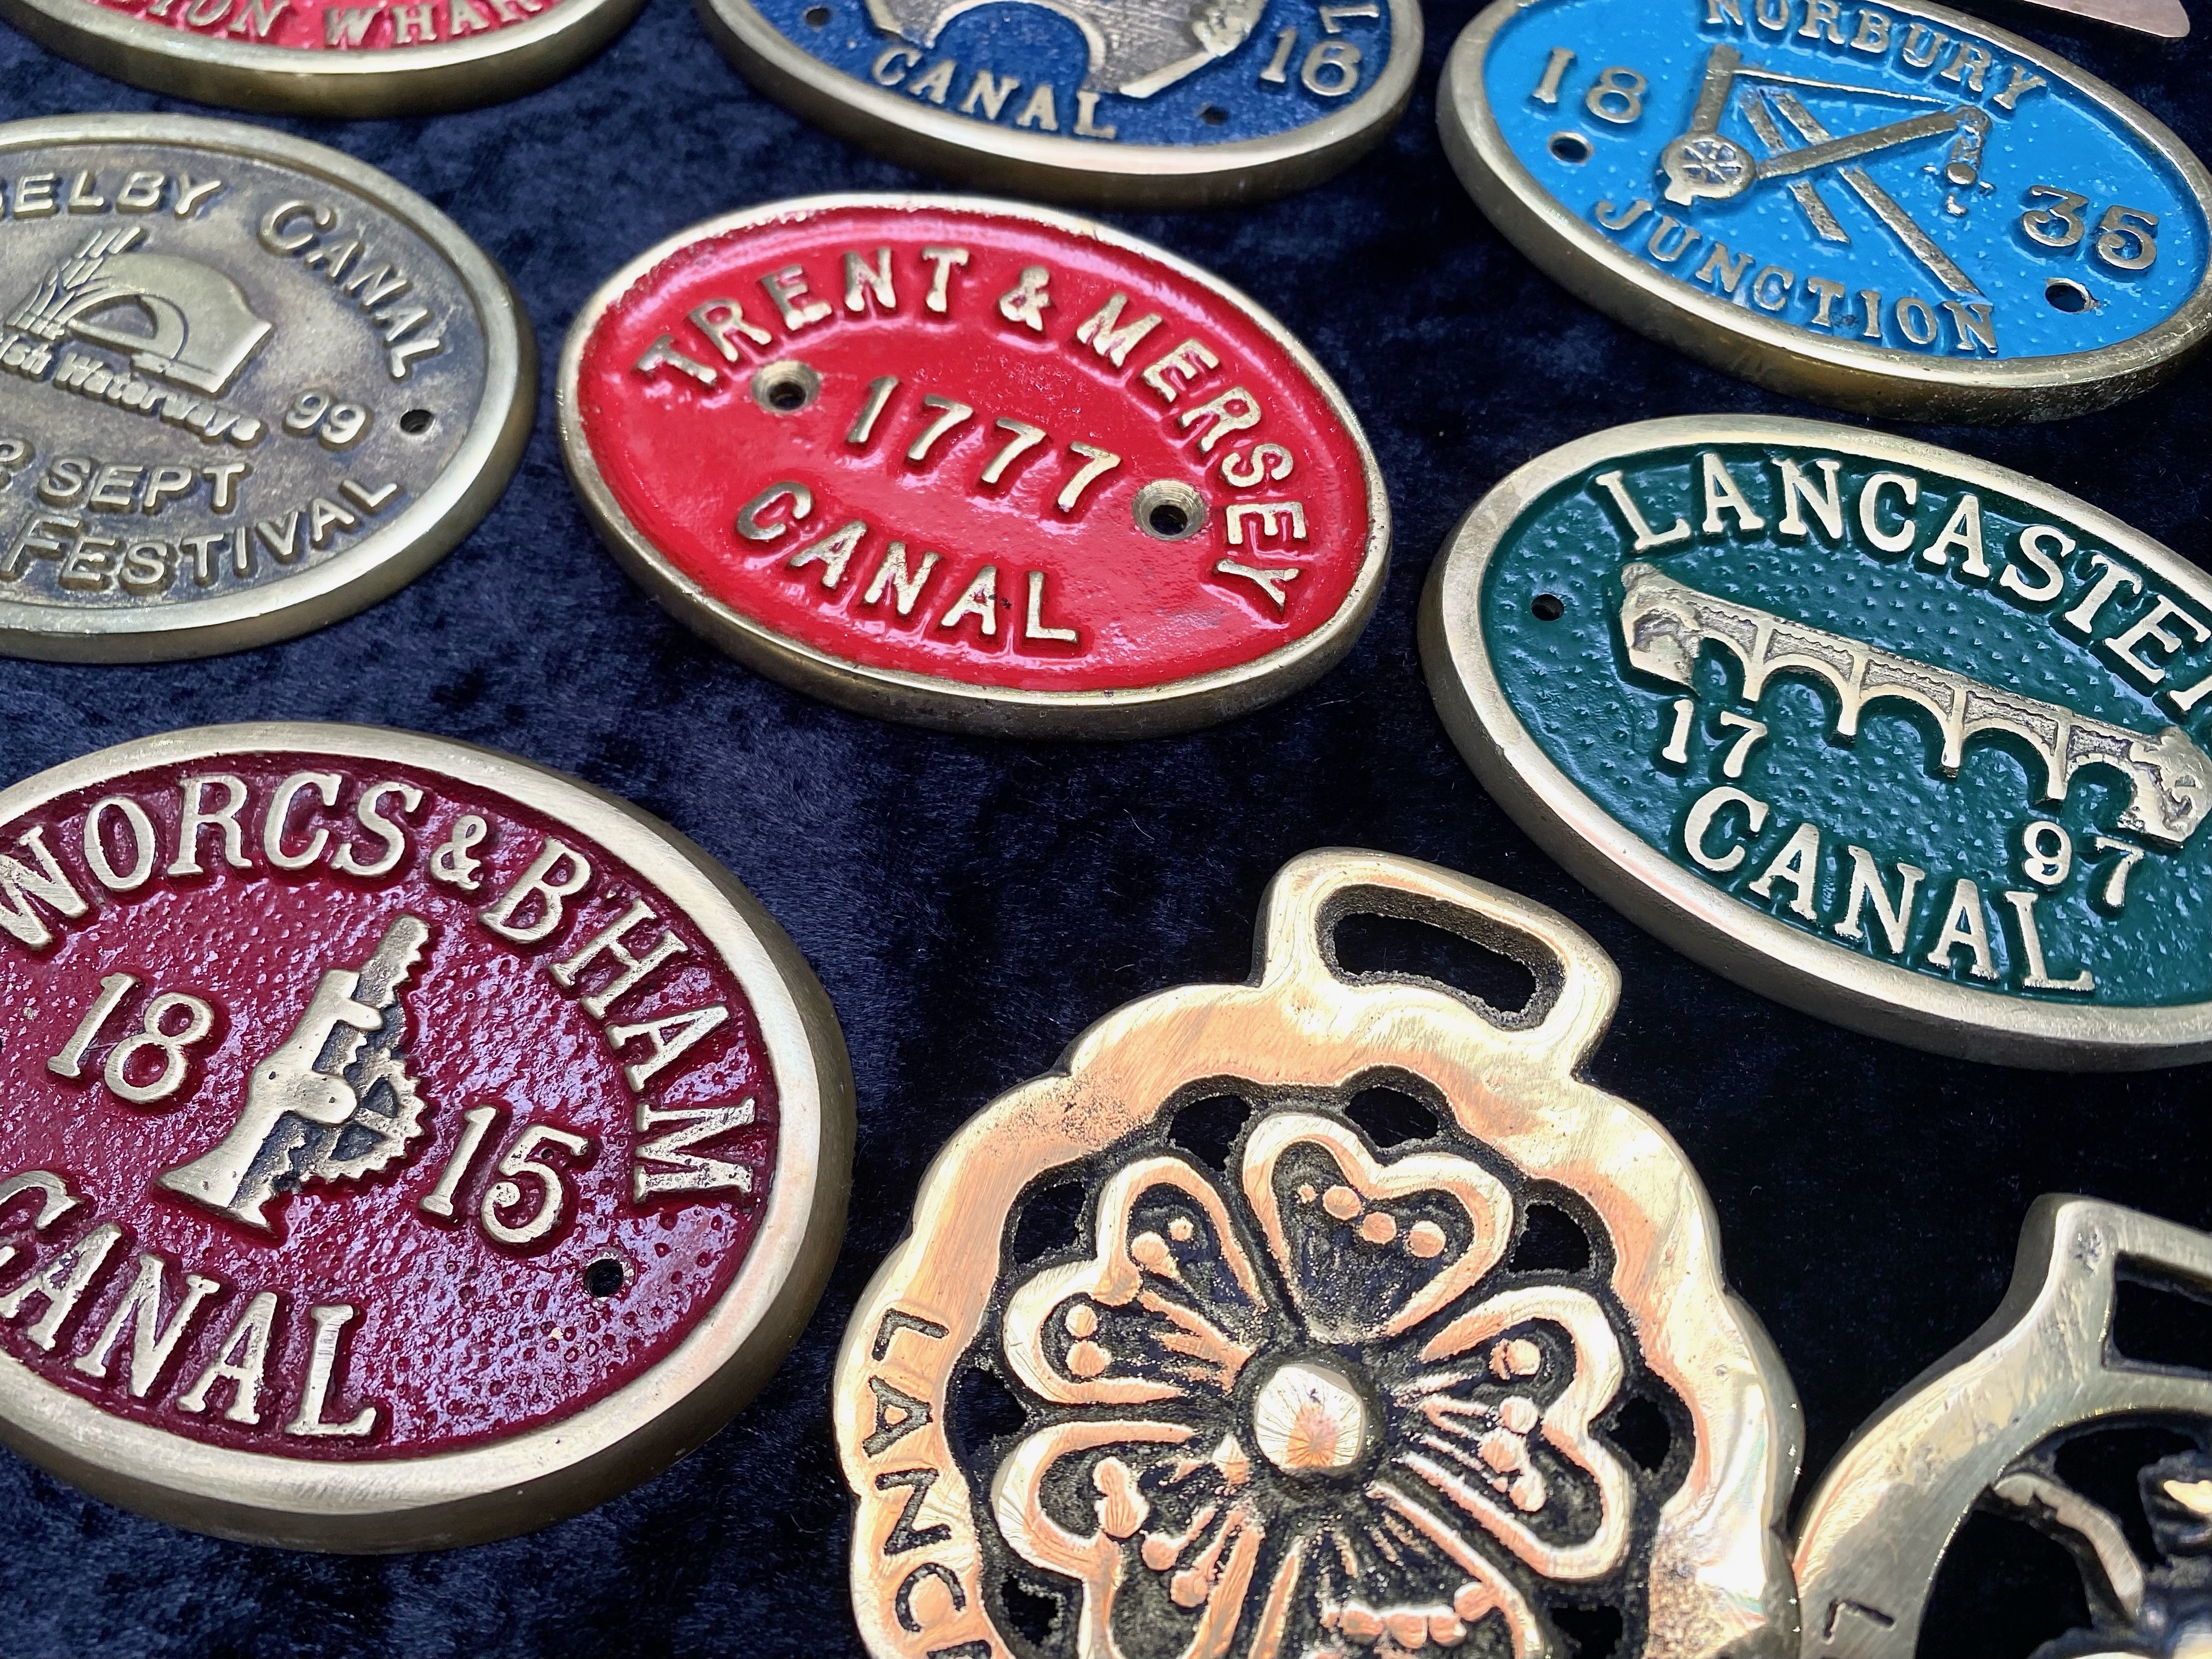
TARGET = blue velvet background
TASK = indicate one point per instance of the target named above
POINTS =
(971, 906)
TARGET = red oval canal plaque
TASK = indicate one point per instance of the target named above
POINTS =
(408, 1145)
(966, 463)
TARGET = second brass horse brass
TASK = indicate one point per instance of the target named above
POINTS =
(1988, 1427)
(1266, 1381)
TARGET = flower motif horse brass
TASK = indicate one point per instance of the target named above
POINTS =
(1301, 1389)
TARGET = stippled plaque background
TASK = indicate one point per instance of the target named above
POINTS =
(971, 905)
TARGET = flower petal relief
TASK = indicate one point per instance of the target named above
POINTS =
(1310, 1408)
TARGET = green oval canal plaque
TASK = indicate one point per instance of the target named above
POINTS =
(1907, 740)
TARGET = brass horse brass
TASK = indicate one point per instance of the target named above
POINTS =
(1981, 1427)
(1303, 1388)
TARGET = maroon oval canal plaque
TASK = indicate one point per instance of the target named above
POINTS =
(408, 1146)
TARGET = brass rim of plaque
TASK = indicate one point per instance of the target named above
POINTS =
(1730, 937)
(894, 693)
(1867, 380)
(1876, 1528)
(1074, 170)
(537, 1476)
(390, 557)
(1718, 1575)
(2161, 20)
(418, 80)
